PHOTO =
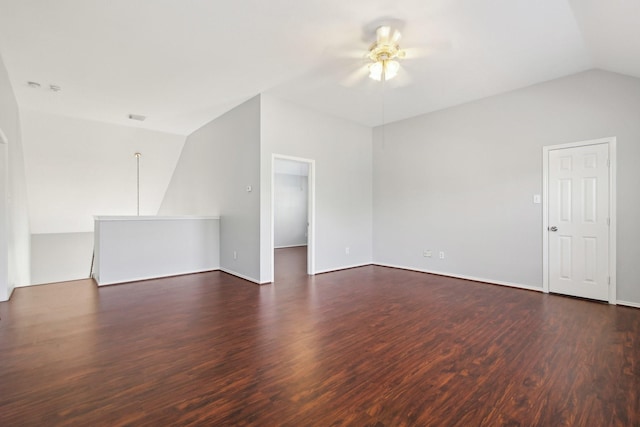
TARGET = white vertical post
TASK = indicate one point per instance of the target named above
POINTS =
(138, 155)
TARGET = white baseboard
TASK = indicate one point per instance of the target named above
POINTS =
(290, 246)
(345, 267)
(12, 289)
(140, 278)
(460, 276)
(242, 276)
(628, 303)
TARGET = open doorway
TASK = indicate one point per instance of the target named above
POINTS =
(293, 209)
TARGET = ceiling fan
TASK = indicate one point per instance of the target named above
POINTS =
(384, 54)
(381, 58)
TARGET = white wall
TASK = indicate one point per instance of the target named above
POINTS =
(79, 168)
(342, 154)
(217, 164)
(14, 225)
(290, 210)
(146, 247)
(462, 180)
(59, 257)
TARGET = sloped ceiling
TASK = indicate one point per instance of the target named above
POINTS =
(182, 63)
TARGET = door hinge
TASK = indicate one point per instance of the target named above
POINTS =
(608, 221)
(608, 280)
(608, 162)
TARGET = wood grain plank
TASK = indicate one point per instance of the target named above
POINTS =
(367, 346)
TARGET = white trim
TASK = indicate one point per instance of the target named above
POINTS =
(151, 218)
(613, 215)
(311, 194)
(464, 277)
(136, 279)
(11, 293)
(545, 220)
(611, 142)
(4, 223)
(242, 276)
(344, 267)
(289, 246)
(629, 303)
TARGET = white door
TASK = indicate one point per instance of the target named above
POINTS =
(578, 232)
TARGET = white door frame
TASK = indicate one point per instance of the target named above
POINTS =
(611, 141)
(5, 288)
(311, 213)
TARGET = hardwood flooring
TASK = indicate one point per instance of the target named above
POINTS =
(366, 346)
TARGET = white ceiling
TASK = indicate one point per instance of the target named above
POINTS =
(183, 63)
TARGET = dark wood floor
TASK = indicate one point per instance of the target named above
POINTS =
(367, 346)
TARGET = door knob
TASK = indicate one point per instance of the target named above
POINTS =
(554, 228)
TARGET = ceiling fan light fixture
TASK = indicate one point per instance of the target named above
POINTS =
(375, 71)
(383, 70)
(383, 54)
(390, 69)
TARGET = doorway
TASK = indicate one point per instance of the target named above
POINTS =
(293, 207)
(579, 219)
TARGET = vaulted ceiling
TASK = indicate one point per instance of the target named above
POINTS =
(182, 63)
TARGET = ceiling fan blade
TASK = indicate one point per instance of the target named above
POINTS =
(416, 52)
(429, 48)
(382, 34)
(356, 76)
(395, 38)
(402, 79)
(351, 53)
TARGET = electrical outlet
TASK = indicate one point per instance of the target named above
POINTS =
(346, 250)
(426, 254)
(441, 255)
(235, 255)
